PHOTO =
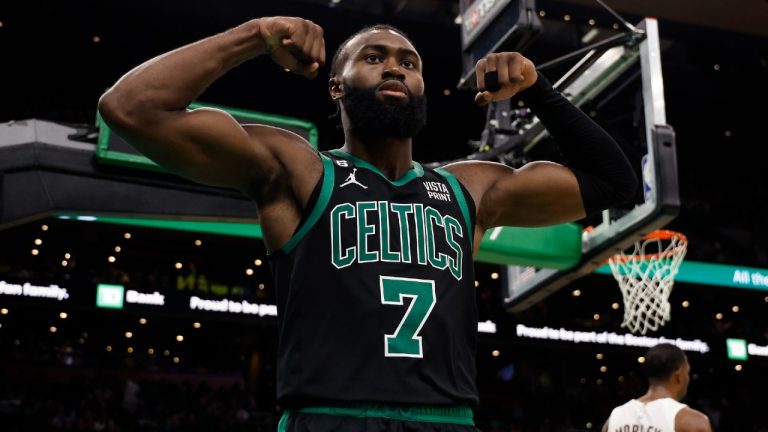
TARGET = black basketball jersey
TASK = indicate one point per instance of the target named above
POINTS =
(375, 290)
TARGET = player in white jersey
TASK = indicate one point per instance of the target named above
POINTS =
(659, 409)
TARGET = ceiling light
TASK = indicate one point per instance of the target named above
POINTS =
(587, 38)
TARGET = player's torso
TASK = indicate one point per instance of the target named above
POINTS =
(376, 299)
(635, 416)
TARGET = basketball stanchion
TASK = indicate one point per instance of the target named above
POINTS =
(646, 275)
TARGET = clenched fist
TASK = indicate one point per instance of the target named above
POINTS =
(295, 44)
(502, 75)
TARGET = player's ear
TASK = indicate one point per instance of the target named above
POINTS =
(678, 375)
(335, 88)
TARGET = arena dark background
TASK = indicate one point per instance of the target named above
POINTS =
(59, 57)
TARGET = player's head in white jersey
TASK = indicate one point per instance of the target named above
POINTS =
(668, 371)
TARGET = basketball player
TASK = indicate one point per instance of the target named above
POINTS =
(371, 253)
(659, 409)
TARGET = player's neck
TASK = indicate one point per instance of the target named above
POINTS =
(656, 391)
(392, 156)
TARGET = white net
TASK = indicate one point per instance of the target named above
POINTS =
(646, 276)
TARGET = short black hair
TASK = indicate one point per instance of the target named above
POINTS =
(337, 57)
(662, 361)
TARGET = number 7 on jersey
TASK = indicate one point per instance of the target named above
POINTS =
(406, 342)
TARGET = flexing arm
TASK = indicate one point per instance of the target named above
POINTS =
(545, 193)
(147, 106)
(277, 168)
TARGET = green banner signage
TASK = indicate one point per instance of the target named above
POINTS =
(737, 349)
(109, 296)
(717, 274)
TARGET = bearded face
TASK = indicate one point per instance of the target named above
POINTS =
(380, 112)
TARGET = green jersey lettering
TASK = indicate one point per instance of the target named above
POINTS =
(364, 230)
(402, 211)
(341, 258)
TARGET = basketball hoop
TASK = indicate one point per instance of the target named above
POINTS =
(646, 276)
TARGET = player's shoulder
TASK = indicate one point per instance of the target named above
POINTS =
(273, 135)
(691, 420)
(469, 167)
(477, 176)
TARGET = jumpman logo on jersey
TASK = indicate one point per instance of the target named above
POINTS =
(351, 179)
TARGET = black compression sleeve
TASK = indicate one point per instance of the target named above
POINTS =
(604, 174)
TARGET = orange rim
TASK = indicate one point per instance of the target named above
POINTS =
(666, 235)
(656, 235)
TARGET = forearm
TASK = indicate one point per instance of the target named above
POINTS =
(171, 81)
(605, 176)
